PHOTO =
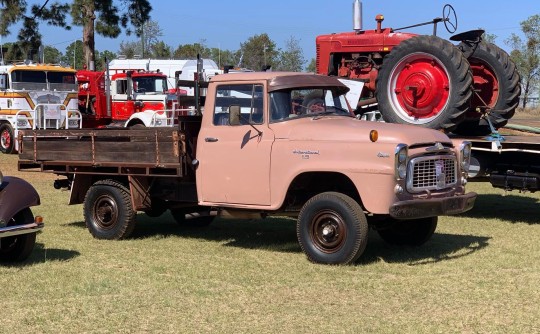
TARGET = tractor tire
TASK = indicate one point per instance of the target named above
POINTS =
(415, 232)
(425, 81)
(496, 88)
(332, 229)
(108, 212)
(7, 139)
(19, 247)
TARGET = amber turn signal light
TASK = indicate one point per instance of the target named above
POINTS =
(38, 220)
(373, 135)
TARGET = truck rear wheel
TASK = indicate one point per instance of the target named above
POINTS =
(7, 141)
(108, 212)
(332, 229)
(19, 247)
(496, 88)
(414, 232)
(424, 81)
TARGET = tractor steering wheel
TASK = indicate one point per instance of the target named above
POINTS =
(449, 18)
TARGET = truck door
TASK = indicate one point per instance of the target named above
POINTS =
(234, 155)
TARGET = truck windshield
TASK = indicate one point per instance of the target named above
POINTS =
(43, 80)
(295, 103)
(146, 85)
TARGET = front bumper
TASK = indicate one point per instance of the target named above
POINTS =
(10, 231)
(432, 207)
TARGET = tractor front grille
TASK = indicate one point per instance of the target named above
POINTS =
(431, 173)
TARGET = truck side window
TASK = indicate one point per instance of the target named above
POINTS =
(121, 86)
(248, 97)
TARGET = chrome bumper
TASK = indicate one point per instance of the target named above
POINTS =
(10, 231)
(432, 207)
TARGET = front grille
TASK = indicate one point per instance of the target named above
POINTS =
(431, 173)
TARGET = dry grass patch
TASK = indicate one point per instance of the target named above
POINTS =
(479, 273)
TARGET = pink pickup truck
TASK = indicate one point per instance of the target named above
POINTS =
(268, 143)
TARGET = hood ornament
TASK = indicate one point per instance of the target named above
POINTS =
(437, 147)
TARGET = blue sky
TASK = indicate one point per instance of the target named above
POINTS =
(226, 24)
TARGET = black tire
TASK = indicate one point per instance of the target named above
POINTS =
(108, 212)
(425, 81)
(414, 232)
(179, 216)
(496, 85)
(7, 139)
(332, 229)
(18, 248)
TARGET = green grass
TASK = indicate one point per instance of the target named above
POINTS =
(480, 273)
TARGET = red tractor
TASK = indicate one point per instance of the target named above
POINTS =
(471, 89)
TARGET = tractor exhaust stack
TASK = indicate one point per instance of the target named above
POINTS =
(357, 15)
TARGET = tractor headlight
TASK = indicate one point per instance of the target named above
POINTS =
(465, 155)
(401, 156)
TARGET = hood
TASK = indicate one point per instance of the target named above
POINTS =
(348, 129)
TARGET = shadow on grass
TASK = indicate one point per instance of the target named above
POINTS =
(441, 247)
(40, 254)
(511, 208)
(279, 235)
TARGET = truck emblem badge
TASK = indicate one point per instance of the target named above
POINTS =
(437, 147)
(305, 154)
(440, 174)
(383, 155)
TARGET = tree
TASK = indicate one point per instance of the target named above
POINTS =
(312, 66)
(103, 17)
(29, 38)
(129, 49)
(160, 50)
(101, 57)
(292, 58)
(51, 55)
(224, 57)
(150, 33)
(74, 55)
(526, 55)
(258, 51)
(190, 51)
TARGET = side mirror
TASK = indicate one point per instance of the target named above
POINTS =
(234, 114)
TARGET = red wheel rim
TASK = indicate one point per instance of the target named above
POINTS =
(5, 139)
(419, 88)
(486, 85)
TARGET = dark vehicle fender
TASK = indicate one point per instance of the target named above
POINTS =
(15, 194)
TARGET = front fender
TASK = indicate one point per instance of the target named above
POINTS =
(146, 117)
(15, 194)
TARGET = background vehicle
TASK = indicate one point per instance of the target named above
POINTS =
(425, 80)
(268, 143)
(18, 226)
(133, 98)
(35, 96)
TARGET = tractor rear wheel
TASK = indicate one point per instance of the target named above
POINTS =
(425, 81)
(496, 88)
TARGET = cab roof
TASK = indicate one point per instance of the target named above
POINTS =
(284, 80)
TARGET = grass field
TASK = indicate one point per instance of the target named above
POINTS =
(480, 273)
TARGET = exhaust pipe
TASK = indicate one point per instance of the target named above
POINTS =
(357, 15)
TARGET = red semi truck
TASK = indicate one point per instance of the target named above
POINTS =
(133, 98)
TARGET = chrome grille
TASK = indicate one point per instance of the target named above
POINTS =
(431, 173)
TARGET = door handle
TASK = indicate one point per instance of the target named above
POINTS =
(210, 139)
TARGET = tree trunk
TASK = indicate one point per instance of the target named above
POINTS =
(526, 92)
(88, 36)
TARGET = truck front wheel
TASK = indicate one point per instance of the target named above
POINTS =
(7, 141)
(414, 232)
(108, 212)
(19, 247)
(332, 229)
